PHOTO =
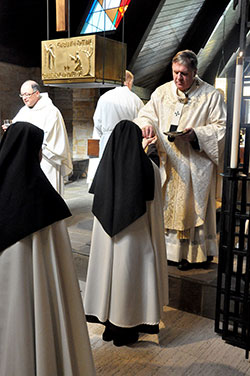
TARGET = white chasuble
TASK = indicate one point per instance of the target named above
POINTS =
(188, 175)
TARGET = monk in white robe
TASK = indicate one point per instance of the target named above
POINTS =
(127, 280)
(42, 323)
(189, 162)
(40, 111)
(113, 106)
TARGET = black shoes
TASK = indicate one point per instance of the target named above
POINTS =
(120, 339)
(185, 265)
(172, 263)
(126, 340)
(107, 335)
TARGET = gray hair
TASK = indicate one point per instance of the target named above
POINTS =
(187, 58)
(36, 87)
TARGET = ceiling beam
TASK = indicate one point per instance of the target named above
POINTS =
(199, 32)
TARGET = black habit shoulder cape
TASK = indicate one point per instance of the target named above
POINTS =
(28, 202)
(124, 179)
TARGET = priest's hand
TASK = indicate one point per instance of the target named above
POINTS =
(148, 131)
(188, 135)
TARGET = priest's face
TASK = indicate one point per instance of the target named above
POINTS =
(28, 95)
(183, 76)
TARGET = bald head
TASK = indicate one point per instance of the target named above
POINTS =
(30, 93)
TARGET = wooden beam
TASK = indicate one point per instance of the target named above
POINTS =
(61, 15)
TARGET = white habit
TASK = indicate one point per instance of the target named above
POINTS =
(42, 324)
(113, 106)
(56, 162)
(188, 175)
(127, 280)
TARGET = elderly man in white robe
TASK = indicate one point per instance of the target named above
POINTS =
(113, 106)
(39, 110)
(189, 160)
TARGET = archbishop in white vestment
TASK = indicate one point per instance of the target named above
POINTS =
(188, 172)
(56, 162)
(127, 280)
(43, 329)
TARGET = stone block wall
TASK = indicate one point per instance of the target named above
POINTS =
(84, 103)
(62, 99)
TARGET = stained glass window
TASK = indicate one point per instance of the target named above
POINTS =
(104, 15)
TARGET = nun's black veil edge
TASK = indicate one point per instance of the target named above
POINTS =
(117, 204)
(28, 201)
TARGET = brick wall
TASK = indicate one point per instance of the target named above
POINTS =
(76, 105)
(11, 78)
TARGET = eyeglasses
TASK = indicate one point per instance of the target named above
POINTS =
(27, 95)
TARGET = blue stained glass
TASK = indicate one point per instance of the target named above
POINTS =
(95, 4)
(109, 4)
(103, 16)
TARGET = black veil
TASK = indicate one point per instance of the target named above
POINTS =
(124, 179)
(28, 202)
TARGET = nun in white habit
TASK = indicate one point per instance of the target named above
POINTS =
(127, 280)
(43, 330)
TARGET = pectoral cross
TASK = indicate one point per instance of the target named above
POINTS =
(61, 15)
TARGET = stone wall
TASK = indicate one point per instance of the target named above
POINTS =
(84, 103)
(62, 99)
